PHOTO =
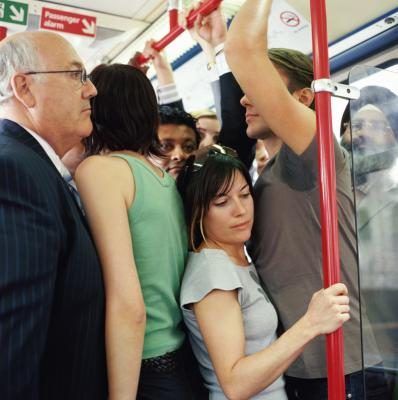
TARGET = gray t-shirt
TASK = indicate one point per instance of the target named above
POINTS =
(286, 249)
(212, 269)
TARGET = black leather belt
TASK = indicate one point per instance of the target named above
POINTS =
(165, 363)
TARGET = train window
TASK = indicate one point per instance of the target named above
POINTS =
(390, 65)
(373, 142)
(339, 104)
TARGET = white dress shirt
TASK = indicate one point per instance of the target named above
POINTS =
(52, 155)
(59, 165)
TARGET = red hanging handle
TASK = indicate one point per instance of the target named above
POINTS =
(3, 32)
(173, 18)
(173, 14)
(327, 180)
(175, 30)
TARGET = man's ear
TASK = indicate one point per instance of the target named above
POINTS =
(20, 84)
(305, 96)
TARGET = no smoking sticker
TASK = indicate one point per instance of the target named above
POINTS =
(290, 18)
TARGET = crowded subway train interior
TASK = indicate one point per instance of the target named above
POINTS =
(363, 54)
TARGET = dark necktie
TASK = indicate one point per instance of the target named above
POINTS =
(73, 189)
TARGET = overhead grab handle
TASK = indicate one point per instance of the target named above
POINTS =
(175, 30)
(173, 13)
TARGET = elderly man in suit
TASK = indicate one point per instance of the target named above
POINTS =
(51, 287)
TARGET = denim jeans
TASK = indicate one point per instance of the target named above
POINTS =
(316, 389)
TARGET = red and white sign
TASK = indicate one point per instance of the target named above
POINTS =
(290, 18)
(68, 22)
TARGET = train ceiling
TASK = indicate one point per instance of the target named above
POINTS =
(123, 26)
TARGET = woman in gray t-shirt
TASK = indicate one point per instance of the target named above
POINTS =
(231, 322)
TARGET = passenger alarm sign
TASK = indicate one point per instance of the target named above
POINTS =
(68, 22)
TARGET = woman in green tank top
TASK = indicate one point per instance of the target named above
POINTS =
(136, 218)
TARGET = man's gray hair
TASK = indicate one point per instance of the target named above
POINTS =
(16, 55)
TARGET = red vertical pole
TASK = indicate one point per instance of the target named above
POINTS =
(327, 179)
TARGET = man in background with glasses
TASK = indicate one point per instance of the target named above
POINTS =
(51, 288)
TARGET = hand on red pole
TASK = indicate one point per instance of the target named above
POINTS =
(204, 9)
(135, 62)
(328, 309)
(208, 29)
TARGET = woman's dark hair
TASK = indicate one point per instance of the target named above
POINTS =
(125, 111)
(206, 175)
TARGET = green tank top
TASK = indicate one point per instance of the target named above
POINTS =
(160, 244)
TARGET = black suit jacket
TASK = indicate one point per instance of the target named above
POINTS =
(51, 288)
(233, 131)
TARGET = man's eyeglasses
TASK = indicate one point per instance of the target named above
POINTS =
(77, 74)
(374, 125)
